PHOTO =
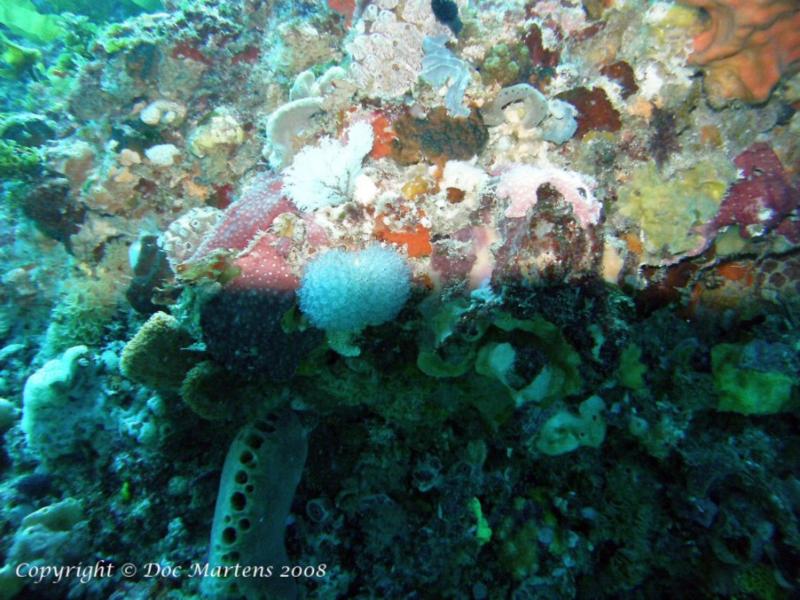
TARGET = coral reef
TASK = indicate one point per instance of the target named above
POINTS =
(403, 298)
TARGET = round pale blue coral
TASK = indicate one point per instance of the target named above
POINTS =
(347, 291)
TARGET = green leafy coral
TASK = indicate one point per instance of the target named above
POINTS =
(15, 59)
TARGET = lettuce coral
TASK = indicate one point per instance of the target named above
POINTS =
(565, 432)
(22, 18)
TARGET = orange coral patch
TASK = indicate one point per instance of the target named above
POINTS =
(736, 272)
(417, 242)
(747, 46)
(634, 244)
(384, 136)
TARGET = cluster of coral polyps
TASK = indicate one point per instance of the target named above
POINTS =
(747, 46)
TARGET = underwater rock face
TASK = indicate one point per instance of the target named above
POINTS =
(54, 210)
(400, 298)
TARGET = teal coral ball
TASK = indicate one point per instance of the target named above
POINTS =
(349, 290)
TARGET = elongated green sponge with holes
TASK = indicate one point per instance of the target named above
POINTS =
(261, 472)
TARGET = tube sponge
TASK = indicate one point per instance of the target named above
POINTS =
(346, 291)
(259, 478)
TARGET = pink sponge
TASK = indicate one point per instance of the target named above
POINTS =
(265, 267)
(260, 203)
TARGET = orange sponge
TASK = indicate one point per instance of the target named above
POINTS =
(747, 46)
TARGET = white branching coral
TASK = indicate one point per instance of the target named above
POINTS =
(325, 175)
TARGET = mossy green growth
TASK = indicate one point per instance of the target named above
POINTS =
(82, 314)
(22, 18)
(630, 373)
(746, 390)
(16, 160)
(118, 37)
(206, 389)
(758, 582)
(670, 209)
(125, 492)
(505, 64)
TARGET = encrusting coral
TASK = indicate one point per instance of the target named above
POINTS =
(747, 47)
